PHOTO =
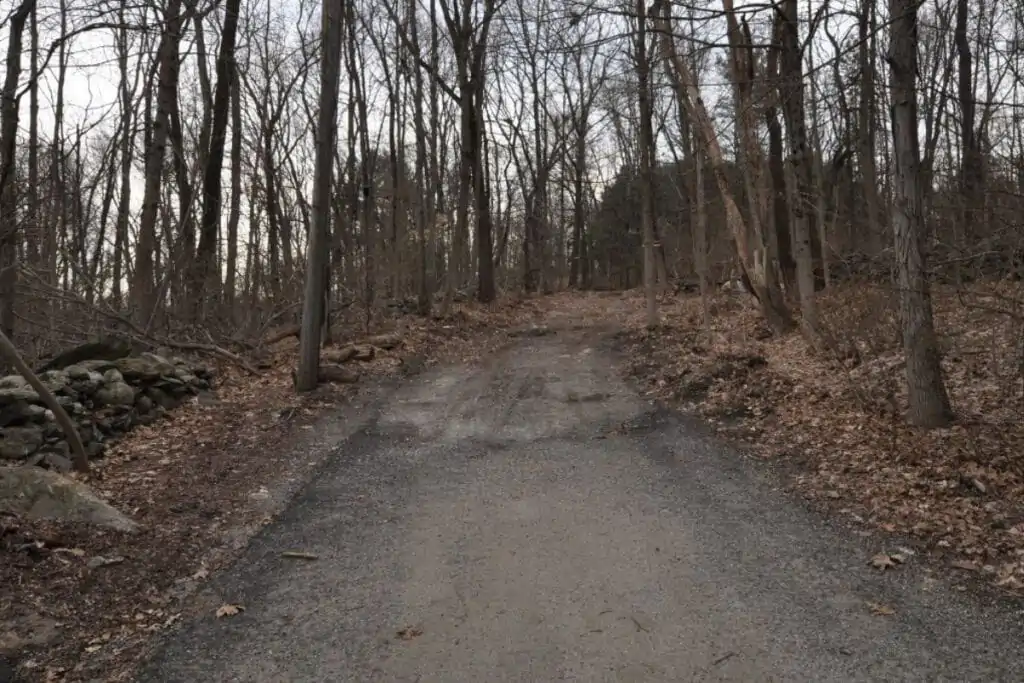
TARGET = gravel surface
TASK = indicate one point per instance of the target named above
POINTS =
(535, 520)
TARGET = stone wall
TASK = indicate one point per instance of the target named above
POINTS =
(104, 398)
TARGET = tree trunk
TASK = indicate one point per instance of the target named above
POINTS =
(865, 120)
(929, 403)
(235, 208)
(316, 255)
(646, 171)
(206, 277)
(792, 95)
(770, 298)
(8, 190)
(143, 290)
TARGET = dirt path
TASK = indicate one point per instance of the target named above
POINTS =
(537, 521)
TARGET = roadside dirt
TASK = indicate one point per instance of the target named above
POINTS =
(81, 604)
(956, 493)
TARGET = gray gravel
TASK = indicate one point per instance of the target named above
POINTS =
(537, 521)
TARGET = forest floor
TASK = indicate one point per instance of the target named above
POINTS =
(837, 421)
(80, 604)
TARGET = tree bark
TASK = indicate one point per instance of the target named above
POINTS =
(143, 290)
(928, 402)
(646, 172)
(307, 374)
(206, 278)
(8, 190)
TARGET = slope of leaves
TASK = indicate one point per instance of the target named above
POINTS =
(958, 492)
(199, 483)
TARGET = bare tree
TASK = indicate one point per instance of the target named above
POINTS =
(316, 256)
(929, 403)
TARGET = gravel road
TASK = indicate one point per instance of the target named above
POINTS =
(535, 520)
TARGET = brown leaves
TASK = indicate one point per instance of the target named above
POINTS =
(885, 561)
(229, 610)
(879, 610)
(841, 416)
(408, 633)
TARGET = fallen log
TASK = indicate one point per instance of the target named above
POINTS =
(281, 335)
(350, 352)
(385, 341)
(111, 348)
(337, 374)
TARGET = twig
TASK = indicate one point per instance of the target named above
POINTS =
(295, 555)
(140, 335)
(209, 348)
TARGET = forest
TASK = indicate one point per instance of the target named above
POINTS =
(163, 177)
(812, 211)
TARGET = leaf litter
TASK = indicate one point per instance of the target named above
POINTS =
(838, 418)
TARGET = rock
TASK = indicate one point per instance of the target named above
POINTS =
(162, 398)
(17, 443)
(116, 394)
(42, 494)
(114, 420)
(104, 396)
(78, 372)
(13, 382)
(143, 403)
(57, 462)
(34, 412)
(22, 632)
(55, 380)
(89, 382)
(14, 394)
(20, 412)
(146, 366)
(97, 365)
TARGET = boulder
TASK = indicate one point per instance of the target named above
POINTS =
(87, 383)
(11, 395)
(77, 372)
(24, 631)
(97, 365)
(17, 443)
(145, 366)
(13, 382)
(162, 398)
(116, 394)
(43, 494)
(143, 403)
(20, 412)
(55, 380)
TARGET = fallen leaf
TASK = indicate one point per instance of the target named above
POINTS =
(99, 561)
(884, 561)
(229, 610)
(880, 610)
(408, 633)
(965, 564)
